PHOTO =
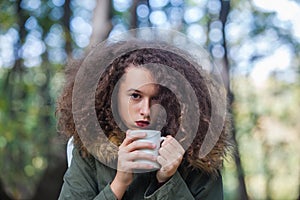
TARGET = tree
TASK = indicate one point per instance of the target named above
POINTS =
(101, 22)
(223, 16)
(47, 34)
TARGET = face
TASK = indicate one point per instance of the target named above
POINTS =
(137, 93)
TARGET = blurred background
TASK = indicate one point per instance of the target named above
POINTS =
(255, 43)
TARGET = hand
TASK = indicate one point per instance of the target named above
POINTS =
(127, 154)
(170, 157)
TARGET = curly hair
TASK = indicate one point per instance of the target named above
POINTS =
(175, 109)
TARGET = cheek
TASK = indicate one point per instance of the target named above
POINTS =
(122, 105)
(154, 112)
(127, 109)
(132, 108)
(158, 112)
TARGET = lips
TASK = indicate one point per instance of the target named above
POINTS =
(142, 124)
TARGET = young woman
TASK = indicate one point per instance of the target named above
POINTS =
(138, 90)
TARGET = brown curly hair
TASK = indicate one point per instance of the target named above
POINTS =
(176, 110)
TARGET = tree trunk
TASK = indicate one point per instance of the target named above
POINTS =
(101, 22)
(17, 69)
(225, 8)
(242, 189)
(66, 23)
(134, 18)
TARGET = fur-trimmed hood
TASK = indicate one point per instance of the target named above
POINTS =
(212, 141)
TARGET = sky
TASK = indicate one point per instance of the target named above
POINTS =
(281, 57)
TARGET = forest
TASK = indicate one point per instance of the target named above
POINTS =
(255, 44)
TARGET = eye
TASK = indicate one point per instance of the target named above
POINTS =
(155, 98)
(135, 96)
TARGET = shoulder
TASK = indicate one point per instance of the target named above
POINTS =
(79, 157)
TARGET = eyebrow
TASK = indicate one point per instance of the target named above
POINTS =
(134, 90)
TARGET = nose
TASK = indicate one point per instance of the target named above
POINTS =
(145, 108)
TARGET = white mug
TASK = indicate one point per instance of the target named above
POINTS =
(154, 137)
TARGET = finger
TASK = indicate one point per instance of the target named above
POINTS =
(164, 152)
(132, 137)
(162, 161)
(168, 165)
(137, 155)
(136, 145)
(168, 151)
(171, 158)
(173, 145)
(127, 160)
(132, 165)
(141, 165)
(166, 140)
(127, 140)
(136, 135)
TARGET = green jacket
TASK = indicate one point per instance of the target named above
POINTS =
(87, 178)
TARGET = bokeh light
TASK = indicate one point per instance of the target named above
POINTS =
(122, 5)
(158, 3)
(58, 3)
(142, 11)
(158, 17)
(193, 14)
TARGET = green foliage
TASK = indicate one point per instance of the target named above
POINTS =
(7, 16)
(25, 137)
(267, 120)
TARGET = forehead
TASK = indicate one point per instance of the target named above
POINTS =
(136, 77)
